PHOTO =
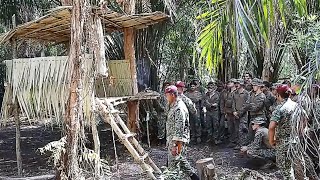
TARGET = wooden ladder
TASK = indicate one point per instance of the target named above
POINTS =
(112, 117)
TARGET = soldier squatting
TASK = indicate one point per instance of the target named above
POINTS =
(256, 115)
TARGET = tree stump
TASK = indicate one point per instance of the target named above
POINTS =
(203, 169)
(209, 172)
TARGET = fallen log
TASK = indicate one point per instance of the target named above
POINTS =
(43, 177)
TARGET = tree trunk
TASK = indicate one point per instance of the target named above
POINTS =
(74, 109)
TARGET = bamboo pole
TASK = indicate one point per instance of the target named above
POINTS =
(16, 107)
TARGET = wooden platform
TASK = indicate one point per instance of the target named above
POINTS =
(148, 95)
(55, 26)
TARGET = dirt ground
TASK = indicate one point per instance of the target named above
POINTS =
(229, 164)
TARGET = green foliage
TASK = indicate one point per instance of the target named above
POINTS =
(227, 21)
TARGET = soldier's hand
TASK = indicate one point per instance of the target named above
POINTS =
(244, 149)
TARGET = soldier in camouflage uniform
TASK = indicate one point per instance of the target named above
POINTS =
(280, 129)
(228, 111)
(211, 102)
(195, 120)
(223, 95)
(255, 106)
(178, 133)
(260, 146)
(247, 77)
(241, 96)
(270, 100)
(195, 127)
(161, 123)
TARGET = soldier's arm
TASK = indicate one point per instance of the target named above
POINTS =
(191, 106)
(179, 119)
(256, 144)
(275, 118)
(244, 108)
(222, 103)
(259, 104)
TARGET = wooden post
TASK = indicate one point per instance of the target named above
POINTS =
(16, 107)
(129, 53)
(133, 114)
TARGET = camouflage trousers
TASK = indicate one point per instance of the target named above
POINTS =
(243, 131)
(282, 160)
(180, 162)
(233, 126)
(267, 154)
(161, 125)
(213, 124)
(195, 126)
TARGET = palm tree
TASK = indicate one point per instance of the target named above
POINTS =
(229, 24)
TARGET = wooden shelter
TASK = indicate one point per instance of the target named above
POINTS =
(55, 27)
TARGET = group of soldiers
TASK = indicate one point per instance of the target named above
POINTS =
(250, 109)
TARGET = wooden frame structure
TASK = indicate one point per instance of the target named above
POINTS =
(55, 27)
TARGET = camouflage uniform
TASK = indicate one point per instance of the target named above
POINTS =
(260, 147)
(240, 98)
(282, 115)
(233, 125)
(161, 123)
(269, 102)
(211, 103)
(256, 108)
(177, 128)
(223, 97)
(195, 122)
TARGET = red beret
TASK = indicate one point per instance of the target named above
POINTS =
(171, 89)
(283, 89)
(180, 84)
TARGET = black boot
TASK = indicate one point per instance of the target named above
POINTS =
(194, 177)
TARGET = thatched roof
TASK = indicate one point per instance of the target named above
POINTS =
(55, 26)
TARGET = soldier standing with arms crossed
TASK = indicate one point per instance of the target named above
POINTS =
(195, 120)
(178, 133)
(241, 96)
(211, 102)
(228, 110)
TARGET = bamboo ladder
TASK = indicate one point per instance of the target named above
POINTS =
(112, 117)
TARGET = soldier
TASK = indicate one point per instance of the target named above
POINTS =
(260, 146)
(255, 106)
(223, 95)
(241, 96)
(178, 133)
(161, 123)
(195, 121)
(195, 125)
(228, 111)
(247, 77)
(211, 108)
(270, 100)
(280, 122)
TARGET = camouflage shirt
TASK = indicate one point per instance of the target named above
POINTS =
(240, 98)
(211, 101)
(261, 140)
(282, 116)
(256, 104)
(177, 125)
(228, 105)
(195, 97)
(191, 108)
